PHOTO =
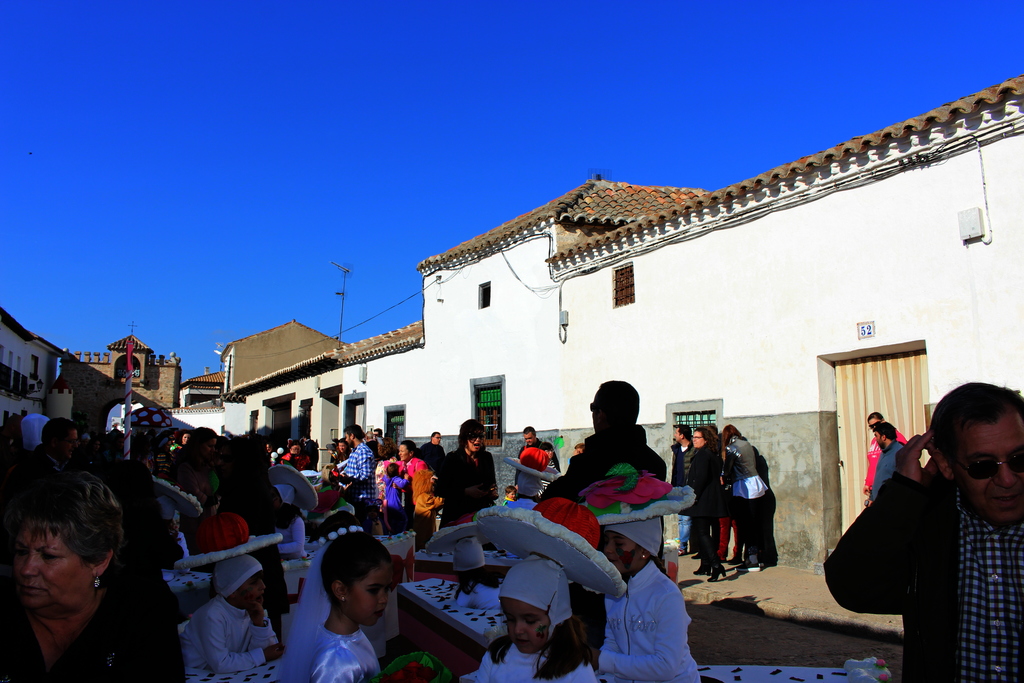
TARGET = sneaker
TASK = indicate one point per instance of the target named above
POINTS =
(749, 567)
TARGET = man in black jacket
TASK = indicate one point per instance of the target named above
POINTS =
(617, 438)
(944, 551)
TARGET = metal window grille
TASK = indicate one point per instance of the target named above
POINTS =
(699, 418)
(488, 411)
(395, 427)
(624, 292)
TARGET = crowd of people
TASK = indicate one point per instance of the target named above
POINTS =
(89, 535)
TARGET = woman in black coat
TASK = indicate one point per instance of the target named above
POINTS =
(705, 478)
(466, 481)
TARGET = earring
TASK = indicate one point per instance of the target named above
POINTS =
(343, 599)
(96, 582)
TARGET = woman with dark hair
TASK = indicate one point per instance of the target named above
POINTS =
(69, 613)
(467, 482)
(747, 489)
(704, 478)
(195, 475)
(246, 490)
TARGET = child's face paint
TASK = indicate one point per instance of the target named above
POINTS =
(528, 626)
(625, 554)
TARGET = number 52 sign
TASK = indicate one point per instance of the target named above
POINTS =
(866, 330)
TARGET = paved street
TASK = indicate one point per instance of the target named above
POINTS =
(726, 636)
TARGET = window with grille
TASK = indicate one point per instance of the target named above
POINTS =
(485, 295)
(395, 427)
(488, 412)
(623, 291)
(697, 418)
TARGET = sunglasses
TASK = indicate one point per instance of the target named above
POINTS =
(475, 435)
(594, 407)
(986, 469)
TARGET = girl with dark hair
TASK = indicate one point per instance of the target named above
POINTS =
(395, 519)
(747, 489)
(325, 643)
(545, 640)
(467, 482)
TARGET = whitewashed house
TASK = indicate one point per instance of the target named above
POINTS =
(28, 368)
(873, 276)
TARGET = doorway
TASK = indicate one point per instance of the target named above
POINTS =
(894, 385)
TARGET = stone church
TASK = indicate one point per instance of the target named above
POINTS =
(97, 379)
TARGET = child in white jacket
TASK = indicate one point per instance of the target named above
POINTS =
(645, 635)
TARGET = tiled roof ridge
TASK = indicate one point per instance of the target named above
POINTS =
(579, 205)
(213, 377)
(350, 354)
(855, 145)
(20, 330)
(122, 344)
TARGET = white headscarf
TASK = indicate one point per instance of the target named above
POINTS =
(32, 430)
(287, 493)
(468, 554)
(541, 583)
(645, 533)
(230, 574)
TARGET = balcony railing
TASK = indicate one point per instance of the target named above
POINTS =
(13, 381)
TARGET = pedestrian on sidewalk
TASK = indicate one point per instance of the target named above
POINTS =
(705, 478)
(747, 489)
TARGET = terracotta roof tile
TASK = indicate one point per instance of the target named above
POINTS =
(965, 105)
(212, 378)
(122, 344)
(595, 202)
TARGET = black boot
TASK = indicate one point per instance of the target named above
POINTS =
(717, 572)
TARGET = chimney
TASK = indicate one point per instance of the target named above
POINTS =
(206, 370)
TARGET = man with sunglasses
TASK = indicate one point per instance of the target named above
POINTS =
(942, 542)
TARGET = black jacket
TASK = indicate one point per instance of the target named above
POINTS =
(900, 557)
(457, 475)
(603, 451)
(131, 638)
(703, 478)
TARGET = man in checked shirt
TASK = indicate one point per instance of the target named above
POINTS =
(943, 544)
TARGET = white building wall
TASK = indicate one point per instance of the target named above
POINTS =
(742, 314)
(17, 354)
(516, 337)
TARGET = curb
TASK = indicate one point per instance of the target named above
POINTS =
(805, 616)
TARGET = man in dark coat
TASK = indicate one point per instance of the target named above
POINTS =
(944, 551)
(617, 438)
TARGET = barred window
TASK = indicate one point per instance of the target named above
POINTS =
(698, 418)
(488, 413)
(622, 283)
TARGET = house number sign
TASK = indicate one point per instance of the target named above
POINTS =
(866, 330)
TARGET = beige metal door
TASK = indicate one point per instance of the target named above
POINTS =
(895, 386)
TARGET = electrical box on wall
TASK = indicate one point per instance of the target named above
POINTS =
(972, 224)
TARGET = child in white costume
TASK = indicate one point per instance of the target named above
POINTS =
(478, 588)
(231, 631)
(645, 636)
(545, 641)
(645, 632)
(325, 643)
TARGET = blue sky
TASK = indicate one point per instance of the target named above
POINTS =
(195, 166)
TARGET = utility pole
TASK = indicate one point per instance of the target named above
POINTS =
(344, 282)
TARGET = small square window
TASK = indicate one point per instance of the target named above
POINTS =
(485, 295)
(698, 418)
(622, 284)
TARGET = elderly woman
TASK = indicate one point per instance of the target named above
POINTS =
(467, 481)
(67, 613)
